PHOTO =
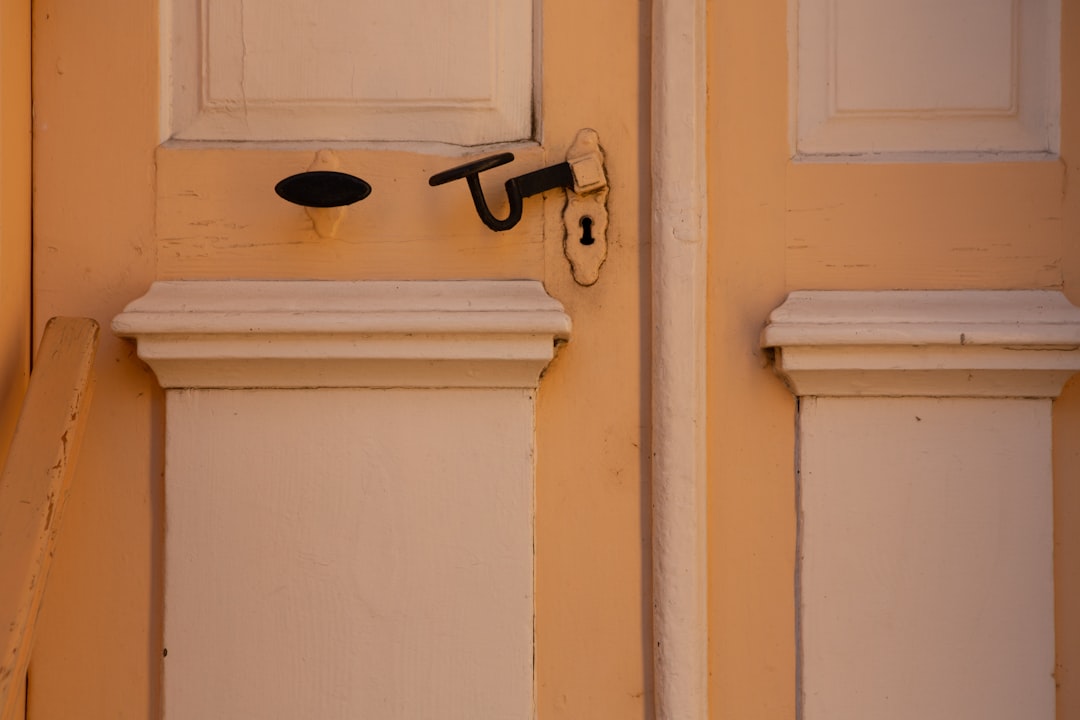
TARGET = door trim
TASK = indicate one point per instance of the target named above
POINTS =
(679, 230)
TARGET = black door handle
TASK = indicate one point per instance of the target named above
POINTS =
(517, 188)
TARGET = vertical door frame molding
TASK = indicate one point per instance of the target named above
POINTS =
(679, 230)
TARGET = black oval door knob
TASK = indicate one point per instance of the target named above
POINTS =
(323, 189)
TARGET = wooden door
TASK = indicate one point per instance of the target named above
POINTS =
(141, 176)
(824, 210)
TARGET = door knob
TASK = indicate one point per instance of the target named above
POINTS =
(323, 189)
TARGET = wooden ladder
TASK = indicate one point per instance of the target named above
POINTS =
(34, 487)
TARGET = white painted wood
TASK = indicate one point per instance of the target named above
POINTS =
(961, 77)
(345, 334)
(679, 232)
(926, 555)
(348, 540)
(349, 553)
(362, 70)
(925, 485)
(970, 342)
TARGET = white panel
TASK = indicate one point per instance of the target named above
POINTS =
(360, 544)
(926, 76)
(364, 70)
(349, 553)
(926, 559)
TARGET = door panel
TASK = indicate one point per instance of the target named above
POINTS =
(363, 70)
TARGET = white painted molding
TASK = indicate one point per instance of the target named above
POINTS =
(679, 231)
(925, 498)
(287, 334)
(288, 70)
(947, 343)
(349, 472)
(955, 79)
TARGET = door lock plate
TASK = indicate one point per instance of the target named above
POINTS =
(585, 216)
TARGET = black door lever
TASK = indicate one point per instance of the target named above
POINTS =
(517, 188)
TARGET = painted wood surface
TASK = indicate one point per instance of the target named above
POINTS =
(349, 472)
(903, 225)
(349, 553)
(98, 647)
(921, 225)
(958, 79)
(926, 558)
(34, 488)
(14, 212)
(925, 497)
(360, 70)
(218, 217)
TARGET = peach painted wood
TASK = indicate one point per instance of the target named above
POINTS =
(14, 212)
(218, 217)
(19, 710)
(751, 494)
(919, 225)
(592, 447)
(34, 488)
(98, 644)
(15, 222)
(590, 534)
(904, 225)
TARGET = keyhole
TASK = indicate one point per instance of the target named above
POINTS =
(586, 231)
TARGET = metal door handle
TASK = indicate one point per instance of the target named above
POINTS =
(517, 188)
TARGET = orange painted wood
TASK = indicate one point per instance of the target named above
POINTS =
(34, 487)
(14, 212)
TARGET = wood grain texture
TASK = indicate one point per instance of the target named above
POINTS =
(924, 226)
(34, 487)
(926, 573)
(349, 553)
(218, 217)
